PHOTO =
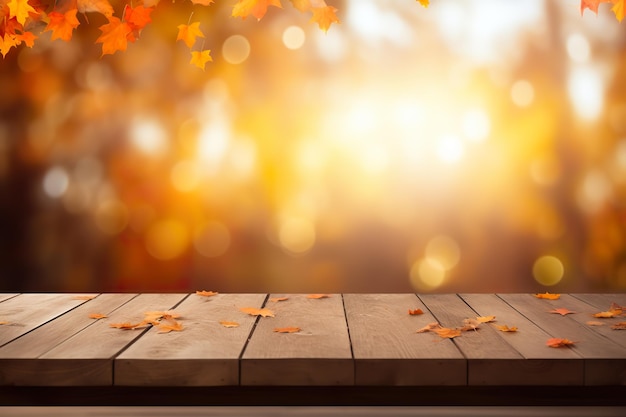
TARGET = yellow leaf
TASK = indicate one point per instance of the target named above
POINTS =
(256, 8)
(618, 9)
(429, 327)
(170, 325)
(485, 319)
(3, 322)
(189, 33)
(229, 323)
(302, 5)
(113, 36)
(505, 328)
(204, 293)
(424, 3)
(19, 9)
(447, 333)
(287, 329)
(324, 16)
(595, 323)
(264, 312)
(200, 58)
(608, 314)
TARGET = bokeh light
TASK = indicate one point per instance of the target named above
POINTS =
(548, 270)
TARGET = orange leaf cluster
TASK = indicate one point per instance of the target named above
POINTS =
(614, 310)
(619, 326)
(556, 342)
(164, 321)
(548, 296)
(449, 333)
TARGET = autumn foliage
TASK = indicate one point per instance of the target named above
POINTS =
(23, 21)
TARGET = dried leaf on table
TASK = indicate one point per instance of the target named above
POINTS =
(416, 312)
(561, 311)
(287, 329)
(556, 342)
(263, 312)
(229, 323)
(548, 296)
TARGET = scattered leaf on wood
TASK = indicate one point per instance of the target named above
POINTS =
(264, 312)
(83, 297)
(428, 327)
(416, 312)
(317, 296)
(277, 299)
(470, 324)
(287, 329)
(170, 325)
(154, 317)
(3, 322)
(447, 333)
(204, 293)
(505, 328)
(97, 316)
(595, 323)
(129, 326)
(548, 296)
(615, 306)
(561, 311)
(486, 319)
(619, 326)
(229, 323)
(608, 314)
(556, 342)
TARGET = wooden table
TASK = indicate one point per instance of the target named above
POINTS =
(351, 348)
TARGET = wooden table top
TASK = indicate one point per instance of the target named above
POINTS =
(49, 339)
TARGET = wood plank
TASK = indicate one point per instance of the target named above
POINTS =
(29, 311)
(318, 355)
(388, 351)
(204, 353)
(604, 360)
(540, 366)
(489, 358)
(86, 358)
(6, 296)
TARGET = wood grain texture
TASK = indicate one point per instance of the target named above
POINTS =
(86, 358)
(388, 351)
(204, 353)
(28, 311)
(604, 360)
(489, 357)
(6, 296)
(541, 365)
(318, 355)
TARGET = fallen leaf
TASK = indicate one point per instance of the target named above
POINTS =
(3, 322)
(318, 296)
(561, 311)
(287, 329)
(595, 323)
(608, 314)
(128, 325)
(556, 342)
(170, 325)
(615, 306)
(277, 299)
(154, 317)
(505, 328)
(486, 319)
(416, 312)
(324, 16)
(619, 326)
(470, 324)
(204, 293)
(428, 327)
(447, 333)
(263, 312)
(548, 296)
(97, 316)
(200, 58)
(229, 323)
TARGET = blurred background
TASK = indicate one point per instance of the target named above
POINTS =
(466, 147)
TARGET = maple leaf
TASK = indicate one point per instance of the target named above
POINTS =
(20, 9)
(113, 36)
(137, 17)
(7, 42)
(416, 312)
(556, 342)
(202, 2)
(277, 299)
(99, 6)
(62, 24)
(256, 8)
(97, 316)
(302, 5)
(128, 325)
(470, 324)
(189, 33)
(200, 58)
(424, 3)
(264, 312)
(170, 325)
(485, 319)
(155, 317)
(317, 296)
(561, 311)
(591, 5)
(619, 326)
(548, 296)
(618, 9)
(204, 293)
(595, 323)
(229, 323)
(286, 329)
(608, 314)
(447, 333)
(27, 37)
(429, 327)
(324, 16)
(505, 328)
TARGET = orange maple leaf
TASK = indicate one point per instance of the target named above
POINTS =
(200, 58)
(97, 316)
(114, 36)
(416, 312)
(20, 9)
(556, 342)
(505, 328)
(591, 5)
(429, 327)
(256, 8)
(27, 37)
(189, 33)
(99, 6)
(619, 326)
(608, 314)
(155, 317)
(229, 323)
(470, 324)
(277, 299)
(7, 42)
(317, 296)
(486, 319)
(128, 325)
(548, 296)
(324, 16)
(170, 325)
(447, 333)
(62, 24)
(561, 311)
(302, 5)
(137, 17)
(204, 293)
(595, 323)
(264, 312)
(287, 329)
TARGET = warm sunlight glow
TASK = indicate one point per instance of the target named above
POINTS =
(522, 93)
(212, 239)
(167, 239)
(294, 37)
(236, 49)
(586, 91)
(148, 136)
(55, 182)
(548, 270)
